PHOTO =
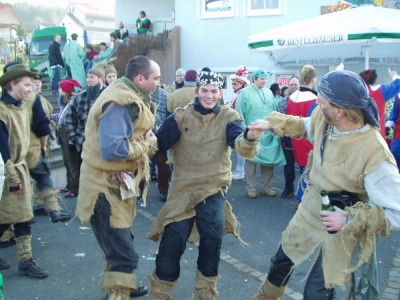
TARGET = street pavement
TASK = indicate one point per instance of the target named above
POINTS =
(70, 253)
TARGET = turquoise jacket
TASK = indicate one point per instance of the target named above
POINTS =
(74, 56)
(253, 104)
(103, 54)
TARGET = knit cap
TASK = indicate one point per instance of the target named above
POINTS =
(110, 69)
(190, 78)
(99, 69)
(67, 86)
(180, 72)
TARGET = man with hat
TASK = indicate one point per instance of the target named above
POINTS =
(45, 196)
(79, 106)
(181, 97)
(201, 136)
(16, 207)
(255, 102)
(70, 154)
(179, 79)
(350, 159)
(115, 157)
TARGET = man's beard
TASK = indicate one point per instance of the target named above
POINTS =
(92, 92)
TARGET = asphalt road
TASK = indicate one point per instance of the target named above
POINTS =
(69, 252)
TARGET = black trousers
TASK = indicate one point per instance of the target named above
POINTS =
(282, 267)
(20, 229)
(289, 170)
(116, 243)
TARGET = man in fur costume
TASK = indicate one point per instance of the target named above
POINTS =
(349, 156)
(201, 136)
(15, 205)
(115, 157)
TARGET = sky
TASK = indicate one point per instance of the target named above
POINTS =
(103, 5)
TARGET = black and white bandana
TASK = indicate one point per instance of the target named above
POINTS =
(210, 78)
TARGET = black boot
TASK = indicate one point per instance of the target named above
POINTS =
(59, 216)
(288, 194)
(30, 267)
(163, 197)
(40, 211)
(140, 291)
(5, 244)
(4, 265)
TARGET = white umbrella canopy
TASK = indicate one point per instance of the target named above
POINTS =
(366, 33)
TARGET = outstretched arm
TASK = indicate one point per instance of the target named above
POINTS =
(258, 126)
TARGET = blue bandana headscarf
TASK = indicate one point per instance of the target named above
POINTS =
(347, 89)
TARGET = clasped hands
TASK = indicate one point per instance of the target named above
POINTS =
(257, 127)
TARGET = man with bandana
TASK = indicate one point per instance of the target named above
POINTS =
(201, 136)
(115, 157)
(79, 106)
(350, 157)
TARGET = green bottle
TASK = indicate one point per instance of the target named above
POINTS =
(326, 204)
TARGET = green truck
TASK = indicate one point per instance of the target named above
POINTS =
(39, 48)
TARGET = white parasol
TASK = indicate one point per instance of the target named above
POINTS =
(366, 33)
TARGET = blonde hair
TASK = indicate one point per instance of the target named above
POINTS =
(356, 116)
(308, 72)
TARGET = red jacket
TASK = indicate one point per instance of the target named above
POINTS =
(299, 104)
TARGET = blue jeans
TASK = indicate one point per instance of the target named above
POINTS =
(41, 173)
(56, 78)
(88, 65)
(116, 243)
(210, 220)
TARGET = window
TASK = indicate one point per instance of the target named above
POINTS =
(217, 8)
(264, 7)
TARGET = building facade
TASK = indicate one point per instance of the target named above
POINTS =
(215, 33)
(92, 25)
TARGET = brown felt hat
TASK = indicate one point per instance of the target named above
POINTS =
(16, 71)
